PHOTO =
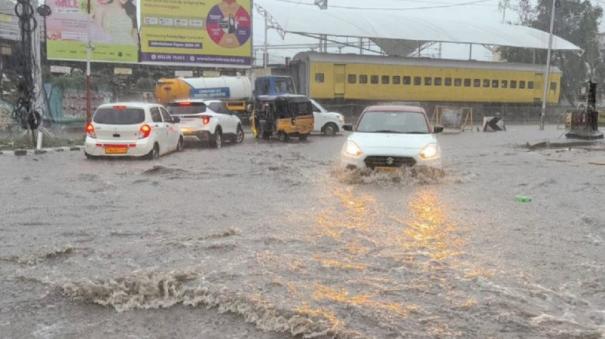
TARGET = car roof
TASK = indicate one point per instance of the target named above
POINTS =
(131, 104)
(205, 101)
(395, 108)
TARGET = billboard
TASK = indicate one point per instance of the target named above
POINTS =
(197, 32)
(9, 23)
(111, 28)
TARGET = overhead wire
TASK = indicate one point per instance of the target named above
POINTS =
(460, 4)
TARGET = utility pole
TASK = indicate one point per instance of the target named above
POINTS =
(266, 47)
(547, 70)
(88, 60)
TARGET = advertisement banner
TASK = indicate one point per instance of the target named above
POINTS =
(197, 32)
(111, 28)
(9, 23)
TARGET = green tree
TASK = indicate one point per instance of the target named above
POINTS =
(576, 21)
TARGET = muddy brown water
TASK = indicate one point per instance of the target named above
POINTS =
(271, 240)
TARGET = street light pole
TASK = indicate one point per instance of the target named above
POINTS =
(547, 70)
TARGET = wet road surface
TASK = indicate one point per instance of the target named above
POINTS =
(271, 240)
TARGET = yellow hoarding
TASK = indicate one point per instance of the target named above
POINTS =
(197, 32)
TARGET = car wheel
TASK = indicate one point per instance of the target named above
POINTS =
(217, 141)
(239, 137)
(330, 129)
(180, 145)
(303, 137)
(90, 157)
(155, 153)
(283, 137)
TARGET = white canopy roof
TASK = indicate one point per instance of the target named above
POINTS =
(303, 19)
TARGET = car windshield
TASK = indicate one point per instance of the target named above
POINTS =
(393, 122)
(186, 108)
(219, 107)
(119, 116)
(284, 86)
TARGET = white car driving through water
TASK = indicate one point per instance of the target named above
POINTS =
(207, 121)
(132, 130)
(388, 137)
(326, 122)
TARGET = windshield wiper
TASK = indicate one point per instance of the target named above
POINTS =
(416, 132)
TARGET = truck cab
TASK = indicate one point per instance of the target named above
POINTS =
(274, 85)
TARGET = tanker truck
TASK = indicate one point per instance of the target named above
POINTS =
(236, 91)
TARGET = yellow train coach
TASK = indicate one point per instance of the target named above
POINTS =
(345, 77)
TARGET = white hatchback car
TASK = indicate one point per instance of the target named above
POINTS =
(209, 121)
(132, 130)
(325, 122)
(387, 137)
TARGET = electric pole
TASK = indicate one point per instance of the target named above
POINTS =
(547, 70)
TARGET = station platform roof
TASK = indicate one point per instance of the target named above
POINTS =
(395, 25)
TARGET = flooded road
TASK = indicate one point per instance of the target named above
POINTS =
(271, 240)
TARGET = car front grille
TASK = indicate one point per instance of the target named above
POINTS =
(388, 161)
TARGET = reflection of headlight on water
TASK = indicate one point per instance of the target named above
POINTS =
(429, 151)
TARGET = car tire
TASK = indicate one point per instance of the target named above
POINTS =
(303, 137)
(330, 129)
(180, 145)
(283, 137)
(154, 154)
(239, 135)
(217, 140)
(90, 157)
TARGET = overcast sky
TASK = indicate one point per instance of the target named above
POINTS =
(479, 10)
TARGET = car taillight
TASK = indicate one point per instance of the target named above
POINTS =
(90, 130)
(145, 131)
(206, 120)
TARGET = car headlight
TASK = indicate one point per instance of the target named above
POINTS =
(351, 149)
(341, 118)
(429, 151)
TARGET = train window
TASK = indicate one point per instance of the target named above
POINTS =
(467, 82)
(407, 80)
(448, 81)
(363, 79)
(396, 80)
(386, 79)
(530, 84)
(504, 83)
(374, 79)
(457, 82)
(522, 84)
(513, 84)
(417, 81)
(319, 77)
(438, 81)
(495, 83)
(485, 82)
(428, 81)
(477, 83)
(352, 78)
(553, 86)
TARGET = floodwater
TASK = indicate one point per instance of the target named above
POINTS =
(271, 240)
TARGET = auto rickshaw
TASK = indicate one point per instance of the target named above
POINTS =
(283, 116)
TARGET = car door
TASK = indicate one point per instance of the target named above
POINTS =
(171, 130)
(318, 118)
(158, 128)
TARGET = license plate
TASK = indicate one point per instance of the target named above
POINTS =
(116, 150)
(386, 169)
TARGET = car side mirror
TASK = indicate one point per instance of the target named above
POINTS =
(438, 129)
(348, 128)
(176, 120)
